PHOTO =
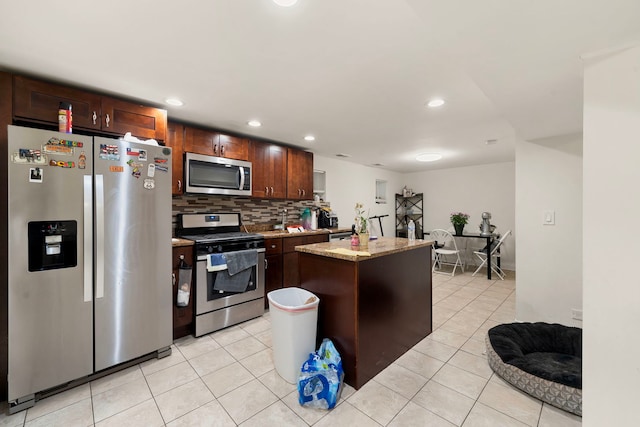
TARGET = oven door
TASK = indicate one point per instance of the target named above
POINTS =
(209, 299)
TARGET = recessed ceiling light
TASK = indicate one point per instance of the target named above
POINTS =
(428, 157)
(491, 141)
(343, 155)
(435, 103)
(285, 3)
(174, 101)
(254, 123)
(309, 138)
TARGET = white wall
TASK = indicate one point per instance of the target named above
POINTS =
(473, 190)
(348, 183)
(611, 208)
(549, 258)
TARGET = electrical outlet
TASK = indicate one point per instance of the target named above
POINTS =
(576, 314)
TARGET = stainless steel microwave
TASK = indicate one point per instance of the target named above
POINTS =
(216, 175)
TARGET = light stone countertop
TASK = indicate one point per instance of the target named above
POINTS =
(177, 242)
(274, 234)
(377, 248)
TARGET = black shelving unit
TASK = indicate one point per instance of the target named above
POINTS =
(409, 208)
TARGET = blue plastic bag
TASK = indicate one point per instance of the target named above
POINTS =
(320, 379)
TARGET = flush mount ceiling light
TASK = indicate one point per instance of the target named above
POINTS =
(285, 3)
(309, 138)
(437, 102)
(428, 157)
(254, 123)
(491, 141)
(174, 101)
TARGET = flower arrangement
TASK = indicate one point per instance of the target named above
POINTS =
(361, 219)
(459, 218)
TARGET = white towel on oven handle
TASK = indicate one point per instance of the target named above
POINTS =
(216, 262)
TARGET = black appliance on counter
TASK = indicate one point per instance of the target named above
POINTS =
(326, 219)
(220, 233)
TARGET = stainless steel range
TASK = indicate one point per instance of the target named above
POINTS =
(230, 270)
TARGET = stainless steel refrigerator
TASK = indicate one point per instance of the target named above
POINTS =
(89, 257)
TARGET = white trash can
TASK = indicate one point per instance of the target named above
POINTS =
(294, 322)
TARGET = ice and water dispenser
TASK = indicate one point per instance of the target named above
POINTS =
(52, 244)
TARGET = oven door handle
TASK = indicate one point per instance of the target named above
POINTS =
(203, 258)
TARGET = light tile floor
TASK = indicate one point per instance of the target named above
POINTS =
(227, 378)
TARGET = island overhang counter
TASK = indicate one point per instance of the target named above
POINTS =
(373, 307)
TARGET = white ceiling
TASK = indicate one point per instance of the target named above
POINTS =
(354, 73)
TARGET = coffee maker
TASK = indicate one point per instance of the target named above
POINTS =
(485, 227)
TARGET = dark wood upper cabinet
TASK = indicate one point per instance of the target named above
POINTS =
(121, 117)
(269, 166)
(299, 174)
(175, 140)
(200, 141)
(232, 147)
(38, 101)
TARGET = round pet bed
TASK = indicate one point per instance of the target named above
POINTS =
(541, 359)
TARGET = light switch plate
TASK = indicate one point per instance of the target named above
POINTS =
(549, 218)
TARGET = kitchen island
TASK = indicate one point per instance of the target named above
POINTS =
(373, 307)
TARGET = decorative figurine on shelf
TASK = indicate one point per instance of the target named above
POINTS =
(459, 220)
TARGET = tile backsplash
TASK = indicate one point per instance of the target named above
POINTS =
(254, 212)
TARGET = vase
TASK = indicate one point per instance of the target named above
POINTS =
(459, 228)
(364, 240)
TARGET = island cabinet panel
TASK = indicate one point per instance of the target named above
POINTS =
(299, 174)
(38, 101)
(269, 166)
(373, 309)
(175, 140)
(182, 316)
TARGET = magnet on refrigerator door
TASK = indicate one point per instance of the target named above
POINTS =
(149, 184)
(116, 168)
(60, 150)
(28, 156)
(151, 170)
(35, 175)
(162, 168)
(109, 152)
(64, 142)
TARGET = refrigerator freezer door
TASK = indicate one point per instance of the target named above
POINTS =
(133, 311)
(50, 310)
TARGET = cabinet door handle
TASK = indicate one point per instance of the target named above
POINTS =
(107, 120)
(304, 192)
(272, 191)
(173, 279)
(94, 117)
(222, 150)
(215, 149)
(179, 185)
(273, 246)
(266, 264)
(299, 192)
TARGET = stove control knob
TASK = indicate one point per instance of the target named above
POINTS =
(247, 245)
(210, 249)
(219, 248)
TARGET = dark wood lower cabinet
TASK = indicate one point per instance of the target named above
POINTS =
(182, 316)
(282, 261)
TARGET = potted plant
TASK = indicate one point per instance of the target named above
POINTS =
(459, 220)
(361, 224)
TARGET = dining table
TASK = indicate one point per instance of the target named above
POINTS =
(489, 239)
